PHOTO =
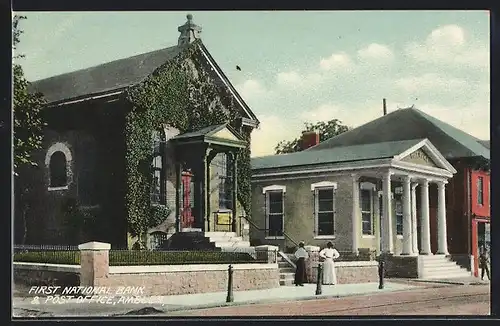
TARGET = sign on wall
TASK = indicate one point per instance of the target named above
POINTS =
(223, 218)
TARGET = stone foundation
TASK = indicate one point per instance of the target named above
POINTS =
(33, 274)
(402, 266)
(350, 272)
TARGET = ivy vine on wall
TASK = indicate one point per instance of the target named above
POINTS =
(181, 94)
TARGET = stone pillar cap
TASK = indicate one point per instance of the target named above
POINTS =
(311, 248)
(267, 247)
(95, 246)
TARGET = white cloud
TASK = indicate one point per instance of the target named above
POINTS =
(473, 119)
(339, 60)
(351, 116)
(431, 82)
(272, 130)
(449, 45)
(293, 79)
(250, 89)
(286, 78)
(375, 52)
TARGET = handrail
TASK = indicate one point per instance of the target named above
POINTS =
(252, 223)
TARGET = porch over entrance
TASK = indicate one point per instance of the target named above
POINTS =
(194, 153)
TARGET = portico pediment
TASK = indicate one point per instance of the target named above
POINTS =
(424, 154)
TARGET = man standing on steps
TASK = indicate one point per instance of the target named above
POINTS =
(300, 273)
(483, 262)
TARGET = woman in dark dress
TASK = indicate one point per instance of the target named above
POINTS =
(300, 273)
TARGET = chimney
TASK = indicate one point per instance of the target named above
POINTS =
(384, 106)
(309, 139)
(189, 32)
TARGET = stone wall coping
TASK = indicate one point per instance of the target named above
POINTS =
(48, 267)
(311, 248)
(94, 246)
(353, 264)
(267, 247)
(185, 268)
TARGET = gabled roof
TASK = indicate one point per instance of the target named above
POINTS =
(222, 134)
(119, 74)
(335, 155)
(406, 124)
(107, 77)
(485, 143)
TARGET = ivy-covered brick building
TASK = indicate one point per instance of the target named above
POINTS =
(152, 142)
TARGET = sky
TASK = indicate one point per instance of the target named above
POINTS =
(297, 66)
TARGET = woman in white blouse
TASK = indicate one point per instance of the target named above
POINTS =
(329, 254)
(300, 273)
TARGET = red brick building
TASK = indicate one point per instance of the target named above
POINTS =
(467, 193)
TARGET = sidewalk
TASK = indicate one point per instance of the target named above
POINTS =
(23, 306)
(471, 280)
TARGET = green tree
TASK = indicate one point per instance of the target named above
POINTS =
(28, 134)
(326, 130)
(27, 107)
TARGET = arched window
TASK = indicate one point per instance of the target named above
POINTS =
(58, 170)
(158, 187)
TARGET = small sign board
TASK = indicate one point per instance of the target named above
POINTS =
(223, 218)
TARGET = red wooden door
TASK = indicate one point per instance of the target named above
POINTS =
(187, 218)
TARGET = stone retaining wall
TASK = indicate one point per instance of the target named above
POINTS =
(185, 279)
(32, 274)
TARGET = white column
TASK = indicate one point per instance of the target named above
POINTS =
(355, 213)
(407, 242)
(441, 222)
(425, 229)
(387, 214)
(376, 219)
(414, 235)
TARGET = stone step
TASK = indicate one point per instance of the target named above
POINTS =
(443, 269)
(286, 282)
(287, 270)
(232, 244)
(225, 239)
(287, 276)
(444, 276)
(439, 264)
(220, 234)
(434, 257)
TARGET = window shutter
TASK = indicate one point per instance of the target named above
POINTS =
(334, 209)
(282, 212)
(266, 211)
(315, 216)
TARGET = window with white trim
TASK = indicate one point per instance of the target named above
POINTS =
(366, 203)
(399, 209)
(324, 208)
(158, 186)
(58, 170)
(275, 210)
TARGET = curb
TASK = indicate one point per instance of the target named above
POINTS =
(260, 301)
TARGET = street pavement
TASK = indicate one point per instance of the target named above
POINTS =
(442, 300)
(25, 306)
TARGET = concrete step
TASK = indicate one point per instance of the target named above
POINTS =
(225, 239)
(286, 282)
(434, 257)
(443, 269)
(444, 276)
(284, 276)
(220, 234)
(289, 270)
(232, 244)
(439, 264)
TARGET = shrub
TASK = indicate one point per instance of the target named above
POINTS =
(131, 257)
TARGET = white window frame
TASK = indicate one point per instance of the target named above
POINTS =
(315, 188)
(59, 147)
(265, 192)
(371, 188)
